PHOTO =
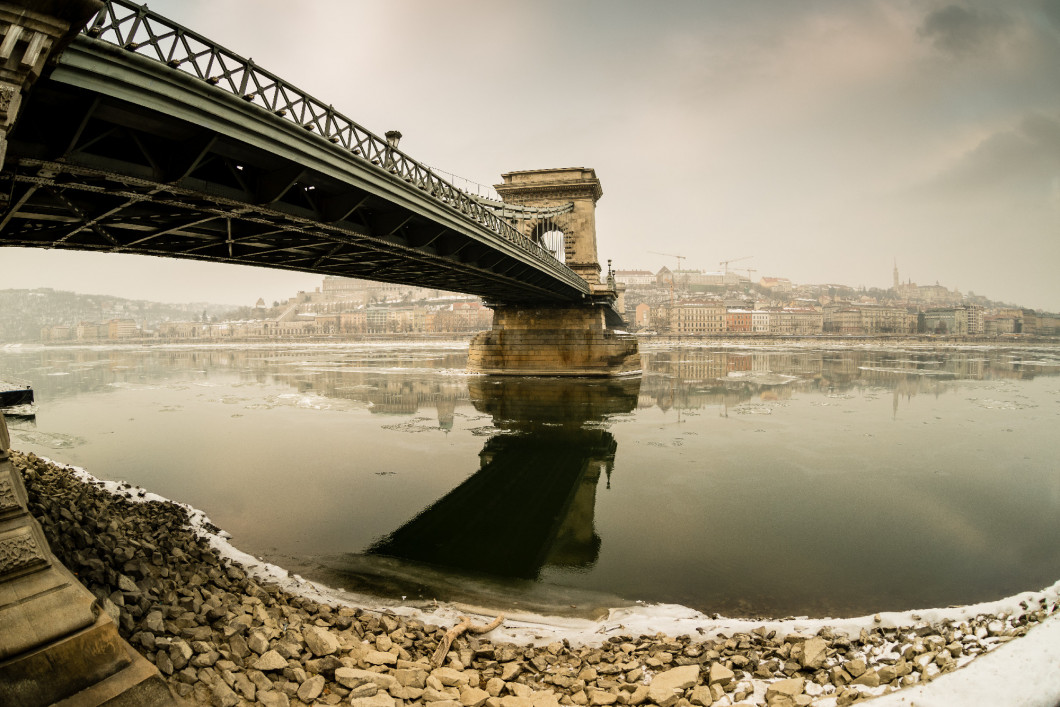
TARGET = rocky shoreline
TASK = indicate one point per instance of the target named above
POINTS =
(222, 637)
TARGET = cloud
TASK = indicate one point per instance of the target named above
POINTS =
(1052, 11)
(1023, 162)
(963, 32)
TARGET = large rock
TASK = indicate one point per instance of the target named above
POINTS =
(270, 660)
(869, 678)
(473, 697)
(783, 692)
(380, 658)
(205, 660)
(520, 690)
(238, 626)
(154, 622)
(411, 677)
(701, 696)
(494, 686)
(258, 643)
(847, 697)
(450, 677)
(180, 653)
(378, 700)
(238, 646)
(839, 677)
(364, 690)
(544, 698)
(600, 698)
(260, 680)
(639, 696)
(719, 675)
(678, 678)
(319, 641)
(814, 653)
(311, 688)
(665, 686)
(223, 696)
(244, 686)
(355, 677)
(274, 698)
(887, 673)
(856, 667)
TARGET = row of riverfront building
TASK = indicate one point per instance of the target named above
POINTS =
(706, 317)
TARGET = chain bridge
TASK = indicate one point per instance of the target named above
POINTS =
(124, 132)
(139, 135)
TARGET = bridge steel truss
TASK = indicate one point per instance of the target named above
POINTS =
(148, 138)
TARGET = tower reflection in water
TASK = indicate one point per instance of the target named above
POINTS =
(531, 503)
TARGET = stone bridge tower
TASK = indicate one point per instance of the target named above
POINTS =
(584, 339)
(556, 187)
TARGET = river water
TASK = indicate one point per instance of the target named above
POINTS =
(772, 481)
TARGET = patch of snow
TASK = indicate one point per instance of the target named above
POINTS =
(1023, 673)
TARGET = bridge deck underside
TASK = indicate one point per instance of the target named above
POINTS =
(90, 171)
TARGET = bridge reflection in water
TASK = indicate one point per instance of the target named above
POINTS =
(531, 503)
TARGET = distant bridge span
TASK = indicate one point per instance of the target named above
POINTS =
(147, 138)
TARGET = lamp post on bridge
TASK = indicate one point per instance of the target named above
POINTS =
(393, 137)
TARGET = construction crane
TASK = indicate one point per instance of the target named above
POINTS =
(672, 275)
(670, 255)
(725, 263)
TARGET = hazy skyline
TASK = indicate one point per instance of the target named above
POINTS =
(826, 139)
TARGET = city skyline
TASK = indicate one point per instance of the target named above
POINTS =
(822, 140)
(309, 282)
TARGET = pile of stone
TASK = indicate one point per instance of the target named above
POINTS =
(222, 639)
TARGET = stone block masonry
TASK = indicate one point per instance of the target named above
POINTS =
(577, 186)
(553, 341)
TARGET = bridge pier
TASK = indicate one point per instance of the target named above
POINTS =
(55, 641)
(554, 341)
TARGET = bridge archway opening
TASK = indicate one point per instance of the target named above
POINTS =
(554, 242)
(552, 236)
(573, 193)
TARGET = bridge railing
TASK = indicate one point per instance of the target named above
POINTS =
(136, 29)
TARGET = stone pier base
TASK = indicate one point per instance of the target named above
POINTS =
(56, 645)
(89, 668)
(554, 341)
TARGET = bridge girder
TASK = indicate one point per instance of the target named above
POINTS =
(116, 153)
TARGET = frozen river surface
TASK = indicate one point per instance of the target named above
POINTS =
(761, 482)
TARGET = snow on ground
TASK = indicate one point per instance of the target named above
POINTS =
(1024, 673)
(1020, 673)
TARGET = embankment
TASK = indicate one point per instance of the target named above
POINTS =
(223, 635)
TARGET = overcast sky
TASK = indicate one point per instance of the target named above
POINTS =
(824, 138)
